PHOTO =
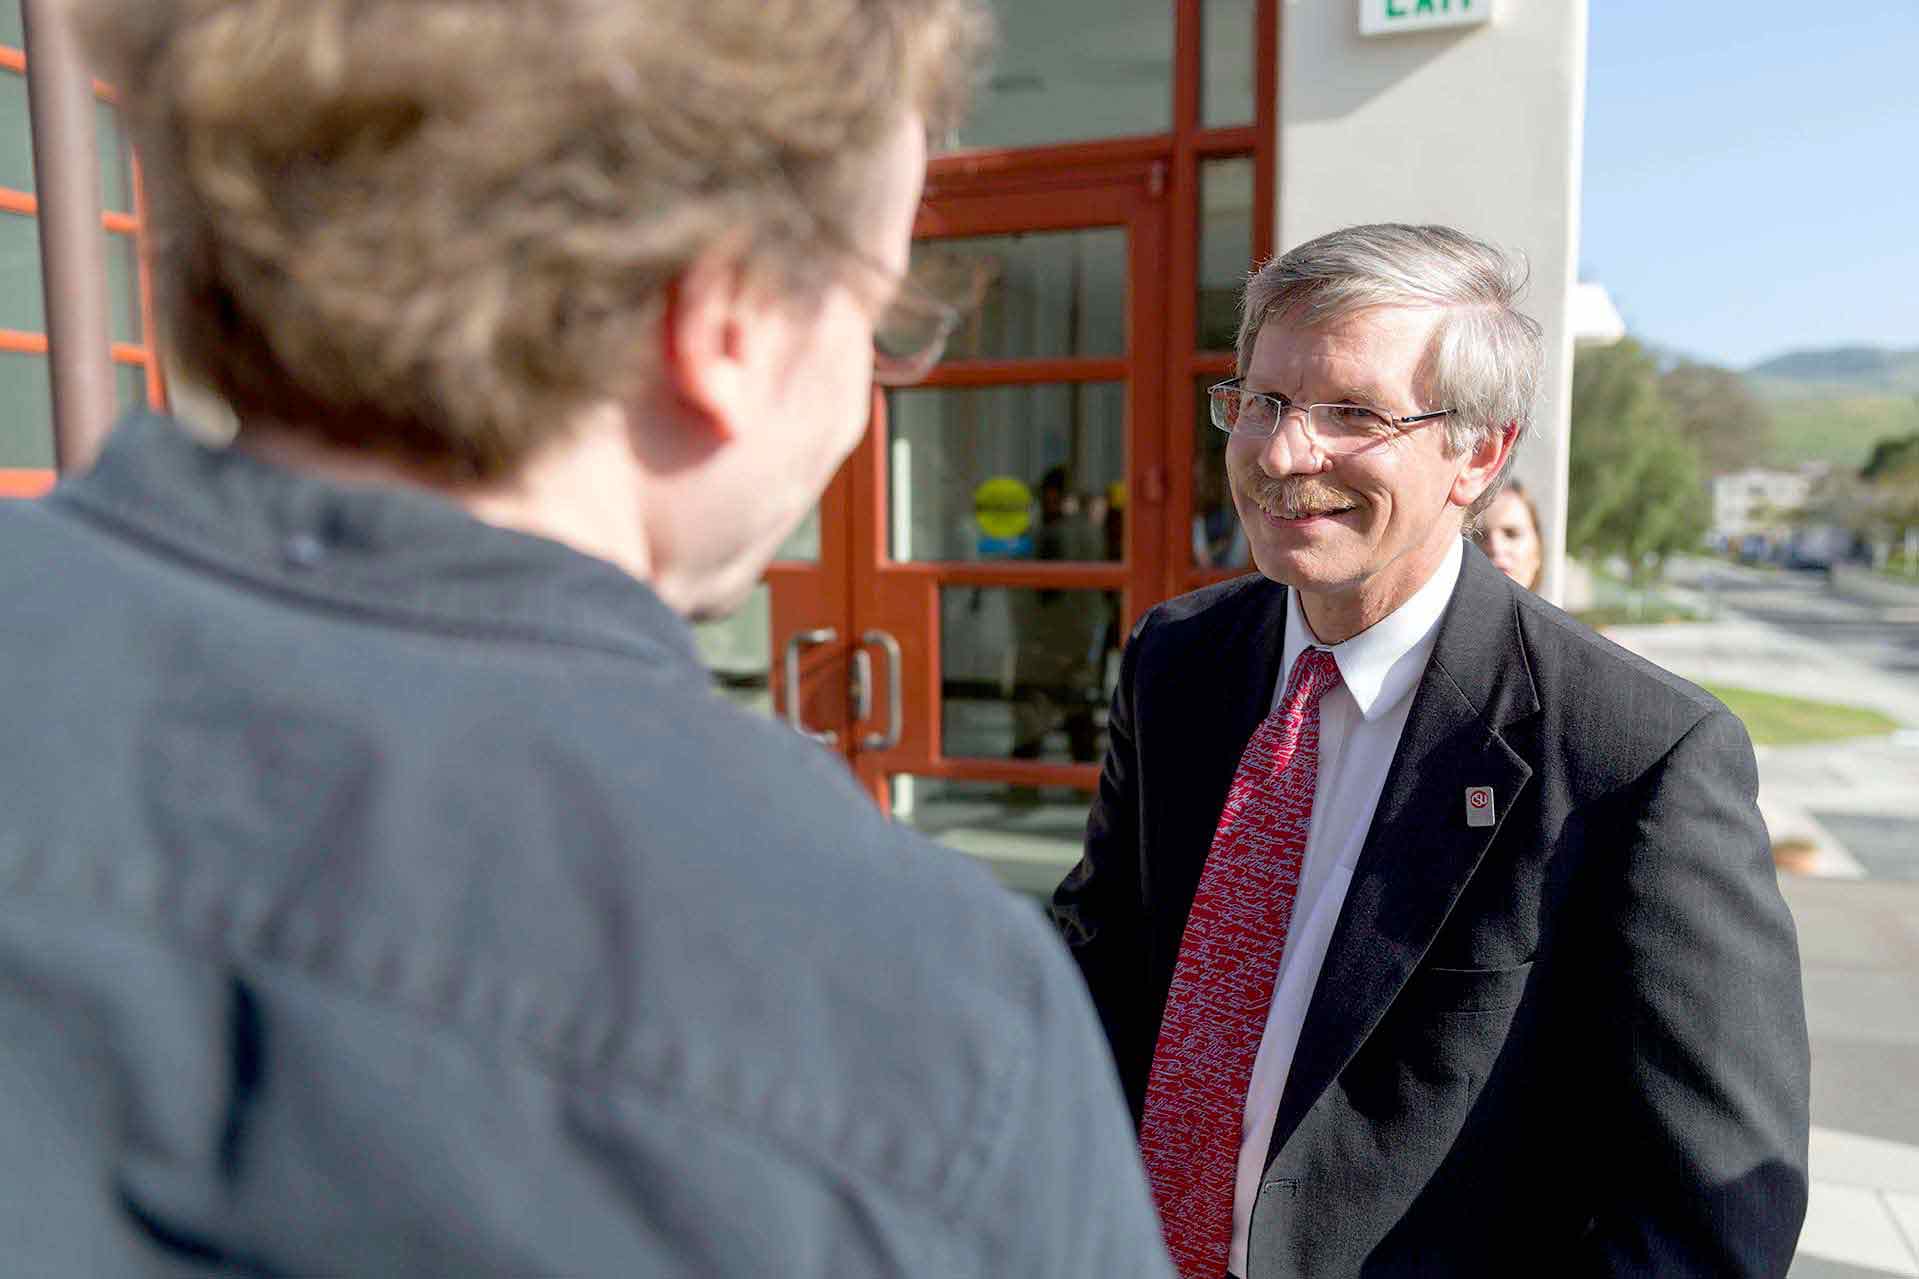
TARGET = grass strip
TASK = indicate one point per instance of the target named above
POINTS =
(1775, 720)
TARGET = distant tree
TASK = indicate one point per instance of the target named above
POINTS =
(1892, 455)
(1891, 480)
(1717, 410)
(1635, 483)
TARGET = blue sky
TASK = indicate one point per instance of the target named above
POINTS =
(1752, 173)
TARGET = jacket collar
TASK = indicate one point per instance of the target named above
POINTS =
(389, 552)
(1381, 665)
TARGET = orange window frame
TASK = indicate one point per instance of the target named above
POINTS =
(1183, 153)
(142, 354)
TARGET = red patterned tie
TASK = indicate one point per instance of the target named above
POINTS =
(1228, 963)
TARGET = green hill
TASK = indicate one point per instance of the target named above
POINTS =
(1834, 405)
(1841, 430)
(1857, 369)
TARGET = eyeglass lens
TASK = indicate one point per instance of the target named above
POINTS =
(1243, 412)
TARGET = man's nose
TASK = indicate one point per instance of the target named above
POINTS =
(1291, 449)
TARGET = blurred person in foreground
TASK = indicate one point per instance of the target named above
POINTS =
(1508, 533)
(1434, 934)
(384, 889)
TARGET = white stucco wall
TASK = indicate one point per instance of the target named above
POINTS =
(1476, 127)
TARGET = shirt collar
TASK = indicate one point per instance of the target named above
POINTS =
(379, 551)
(1380, 665)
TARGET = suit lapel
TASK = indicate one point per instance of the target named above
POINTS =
(1419, 854)
(1224, 692)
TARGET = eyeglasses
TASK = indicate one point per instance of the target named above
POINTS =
(1334, 428)
(910, 334)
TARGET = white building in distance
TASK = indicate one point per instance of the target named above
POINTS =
(1759, 501)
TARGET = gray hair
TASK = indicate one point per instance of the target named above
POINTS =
(1486, 356)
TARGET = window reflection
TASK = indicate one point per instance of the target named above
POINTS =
(26, 428)
(1042, 294)
(130, 386)
(116, 159)
(1028, 836)
(970, 467)
(1225, 248)
(1229, 45)
(1218, 539)
(1068, 70)
(738, 651)
(21, 298)
(16, 140)
(123, 288)
(1025, 673)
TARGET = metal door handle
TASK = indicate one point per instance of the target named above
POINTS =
(895, 706)
(804, 640)
(862, 684)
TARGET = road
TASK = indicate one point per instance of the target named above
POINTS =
(1802, 604)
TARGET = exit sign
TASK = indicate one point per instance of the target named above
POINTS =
(1390, 17)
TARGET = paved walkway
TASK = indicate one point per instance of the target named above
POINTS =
(1800, 787)
(1860, 946)
(1859, 940)
(1863, 1218)
(1750, 654)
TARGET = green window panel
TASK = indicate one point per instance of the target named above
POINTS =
(123, 289)
(130, 386)
(26, 411)
(16, 134)
(1225, 248)
(116, 160)
(22, 304)
(1229, 51)
(10, 24)
(1069, 70)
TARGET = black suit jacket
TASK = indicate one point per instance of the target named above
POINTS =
(1571, 1043)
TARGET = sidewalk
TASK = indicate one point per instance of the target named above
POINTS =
(1860, 948)
(1865, 777)
(1859, 941)
(1868, 587)
(1863, 1218)
(1750, 654)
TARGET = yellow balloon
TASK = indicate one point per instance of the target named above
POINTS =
(1003, 506)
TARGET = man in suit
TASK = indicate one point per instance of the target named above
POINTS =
(1433, 933)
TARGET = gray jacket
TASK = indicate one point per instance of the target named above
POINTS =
(384, 892)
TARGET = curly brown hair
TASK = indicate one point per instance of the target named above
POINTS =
(435, 229)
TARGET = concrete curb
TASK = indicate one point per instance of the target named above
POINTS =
(1863, 586)
(1829, 858)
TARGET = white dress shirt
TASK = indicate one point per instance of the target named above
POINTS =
(1359, 727)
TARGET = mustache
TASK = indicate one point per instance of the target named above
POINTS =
(1296, 497)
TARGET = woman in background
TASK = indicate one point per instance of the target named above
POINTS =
(1508, 531)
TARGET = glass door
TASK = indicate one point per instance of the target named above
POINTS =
(1009, 517)
(955, 618)
(787, 650)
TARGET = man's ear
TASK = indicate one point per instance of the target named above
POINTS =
(1483, 464)
(705, 357)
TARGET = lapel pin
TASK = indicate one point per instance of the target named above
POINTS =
(1479, 806)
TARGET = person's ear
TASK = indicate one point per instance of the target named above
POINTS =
(1483, 464)
(706, 356)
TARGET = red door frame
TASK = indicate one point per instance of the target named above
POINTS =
(902, 599)
(854, 587)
